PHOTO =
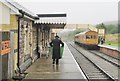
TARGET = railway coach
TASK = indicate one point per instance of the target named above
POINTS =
(87, 39)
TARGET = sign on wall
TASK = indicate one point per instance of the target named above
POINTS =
(5, 47)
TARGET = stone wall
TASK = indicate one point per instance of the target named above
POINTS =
(112, 38)
(21, 38)
(34, 43)
(26, 37)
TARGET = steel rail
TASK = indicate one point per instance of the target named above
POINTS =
(105, 59)
(110, 56)
(110, 77)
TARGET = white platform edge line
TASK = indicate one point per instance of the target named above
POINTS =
(76, 62)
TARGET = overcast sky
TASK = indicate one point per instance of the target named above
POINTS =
(78, 11)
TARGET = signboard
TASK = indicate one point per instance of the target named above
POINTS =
(5, 47)
(101, 31)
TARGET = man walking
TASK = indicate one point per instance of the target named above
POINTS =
(56, 49)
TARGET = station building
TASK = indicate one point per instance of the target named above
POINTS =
(23, 36)
(14, 17)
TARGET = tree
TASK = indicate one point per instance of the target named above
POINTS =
(101, 26)
(112, 29)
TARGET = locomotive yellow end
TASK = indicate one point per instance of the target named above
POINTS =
(87, 39)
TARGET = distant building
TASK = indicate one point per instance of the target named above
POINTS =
(81, 26)
(101, 33)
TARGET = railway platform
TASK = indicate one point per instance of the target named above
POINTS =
(44, 69)
(110, 50)
(110, 47)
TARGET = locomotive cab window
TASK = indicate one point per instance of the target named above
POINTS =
(88, 37)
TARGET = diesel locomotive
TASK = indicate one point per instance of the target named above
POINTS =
(87, 39)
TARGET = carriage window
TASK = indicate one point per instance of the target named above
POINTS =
(95, 37)
(92, 37)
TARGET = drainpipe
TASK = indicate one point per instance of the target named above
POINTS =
(18, 57)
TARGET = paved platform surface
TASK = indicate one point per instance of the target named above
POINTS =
(110, 47)
(44, 69)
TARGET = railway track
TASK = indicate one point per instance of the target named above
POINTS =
(106, 58)
(92, 71)
(109, 55)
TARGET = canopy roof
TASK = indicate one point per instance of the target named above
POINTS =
(49, 20)
(18, 9)
(52, 20)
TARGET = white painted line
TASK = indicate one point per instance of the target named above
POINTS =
(76, 62)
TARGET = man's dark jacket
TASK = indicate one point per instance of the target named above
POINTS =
(56, 48)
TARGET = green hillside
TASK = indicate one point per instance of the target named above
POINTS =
(111, 28)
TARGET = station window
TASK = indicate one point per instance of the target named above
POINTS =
(5, 35)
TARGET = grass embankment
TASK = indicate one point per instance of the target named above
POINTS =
(112, 40)
(113, 44)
